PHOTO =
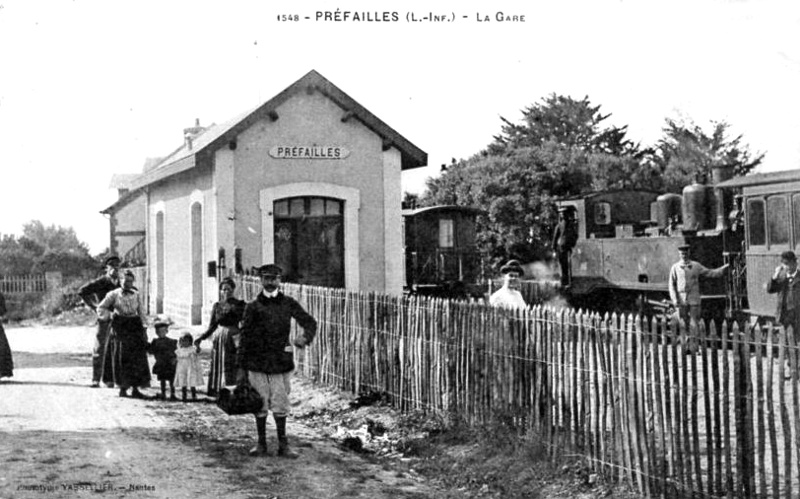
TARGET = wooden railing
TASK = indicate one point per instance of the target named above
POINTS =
(23, 284)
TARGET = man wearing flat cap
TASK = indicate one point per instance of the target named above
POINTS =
(92, 294)
(786, 283)
(508, 295)
(684, 285)
(266, 356)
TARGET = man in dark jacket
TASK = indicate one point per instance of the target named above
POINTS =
(564, 239)
(92, 294)
(267, 355)
(786, 283)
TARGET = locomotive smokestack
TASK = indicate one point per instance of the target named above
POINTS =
(721, 173)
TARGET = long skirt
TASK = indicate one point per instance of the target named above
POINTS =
(223, 359)
(129, 353)
(6, 361)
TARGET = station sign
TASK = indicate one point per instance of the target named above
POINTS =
(309, 152)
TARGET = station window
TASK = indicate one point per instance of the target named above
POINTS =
(445, 233)
(755, 222)
(777, 220)
(796, 218)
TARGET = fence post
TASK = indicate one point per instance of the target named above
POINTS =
(54, 279)
(743, 418)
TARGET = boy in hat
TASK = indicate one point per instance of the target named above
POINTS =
(92, 294)
(508, 295)
(265, 355)
(684, 285)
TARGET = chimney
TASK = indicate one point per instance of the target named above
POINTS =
(189, 134)
(721, 173)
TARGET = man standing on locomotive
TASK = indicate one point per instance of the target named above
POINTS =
(564, 239)
(786, 284)
(684, 285)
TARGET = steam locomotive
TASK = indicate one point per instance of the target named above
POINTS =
(628, 240)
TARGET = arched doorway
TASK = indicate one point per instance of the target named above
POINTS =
(309, 240)
(160, 262)
(197, 263)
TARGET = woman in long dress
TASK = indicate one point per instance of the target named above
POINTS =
(226, 316)
(128, 325)
(6, 361)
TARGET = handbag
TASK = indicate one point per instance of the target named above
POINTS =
(244, 399)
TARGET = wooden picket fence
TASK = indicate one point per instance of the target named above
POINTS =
(23, 284)
(711, 412)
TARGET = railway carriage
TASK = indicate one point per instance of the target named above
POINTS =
(441, 254)
(770, 206)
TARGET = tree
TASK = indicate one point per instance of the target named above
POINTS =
(410, 200)
(686, 151)
(561, 148)
(567, 122)
(43, 248)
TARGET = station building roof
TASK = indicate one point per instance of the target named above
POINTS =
(216, 136)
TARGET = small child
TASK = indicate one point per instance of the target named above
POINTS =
(188, 373)
(163, 349)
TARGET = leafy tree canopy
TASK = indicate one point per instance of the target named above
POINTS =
(567, 122)
(686, 151)
(44, 248)
(563, 147)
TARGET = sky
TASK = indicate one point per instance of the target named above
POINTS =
(89, 89)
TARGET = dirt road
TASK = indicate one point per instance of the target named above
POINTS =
(61, 438)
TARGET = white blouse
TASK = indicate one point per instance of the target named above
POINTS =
(121, 302)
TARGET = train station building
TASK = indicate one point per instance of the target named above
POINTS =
(309, 180)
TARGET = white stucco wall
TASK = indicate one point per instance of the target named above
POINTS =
(175, 198)
(239, 186)
(314, 120)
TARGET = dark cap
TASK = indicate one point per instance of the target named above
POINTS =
(111, 260)
(512, 266)
(683, 247)
(229, 281)
(789, 256)
(129, 273)
(270, 269)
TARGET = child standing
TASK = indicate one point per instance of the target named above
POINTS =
(163, 349)
(188, 373)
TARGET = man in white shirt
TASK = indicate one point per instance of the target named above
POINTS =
(508, 295)
(684, 284)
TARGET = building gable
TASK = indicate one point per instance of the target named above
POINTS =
(202, 148)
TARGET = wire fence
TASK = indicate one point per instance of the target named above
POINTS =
(713, 411)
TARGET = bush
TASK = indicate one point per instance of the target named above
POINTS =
(37, 306)
(61, 299)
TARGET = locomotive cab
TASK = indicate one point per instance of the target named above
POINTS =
(628, 242)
